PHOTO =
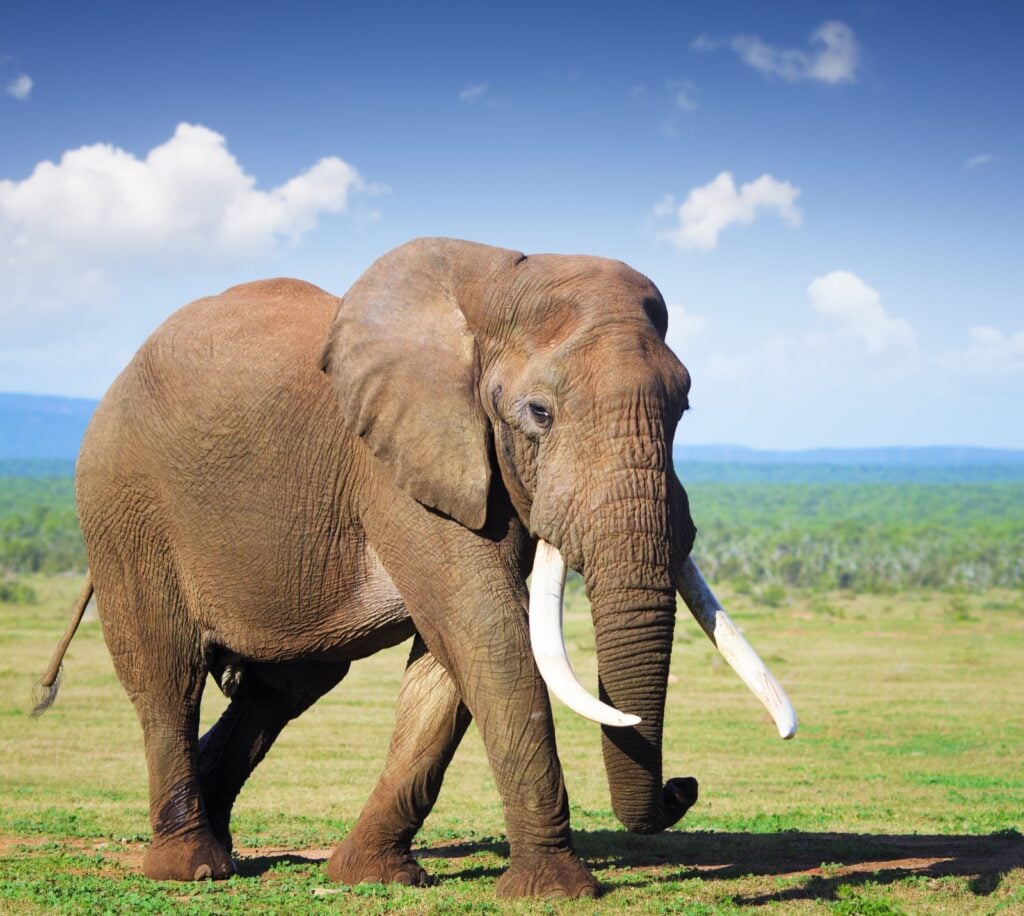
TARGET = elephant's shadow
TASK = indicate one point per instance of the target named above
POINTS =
(830, 860)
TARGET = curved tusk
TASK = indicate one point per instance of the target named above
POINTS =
(549, 646)
(708, 612)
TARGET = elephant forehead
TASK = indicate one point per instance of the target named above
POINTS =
(621, 363)
(636, 367)
(550, 292)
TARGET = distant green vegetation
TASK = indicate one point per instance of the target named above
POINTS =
(35, 467)
(39, 527)
(866, 537)
(15, 592)
(693, 472)
(765, 536)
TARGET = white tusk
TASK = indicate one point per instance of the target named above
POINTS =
(709, 613)
(549, 645)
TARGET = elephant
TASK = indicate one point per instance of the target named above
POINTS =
(282, 482)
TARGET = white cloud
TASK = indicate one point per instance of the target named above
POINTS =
(705, 42)
(834, 56)
(683, 326)
(989, 353)
(767, 376)
(683, 99)
(838, 60)
(474, 93)
(713, 207)
(860, 333)
(857, 309)
(684, 95)
(980, 159)
(665, 207)
(20, 87)
(74, 229)
(188, 194)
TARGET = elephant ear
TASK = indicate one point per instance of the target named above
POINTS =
(404, 364)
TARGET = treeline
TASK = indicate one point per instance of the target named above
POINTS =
(874, 537)
(766, 537)
(736, 472)
(39, 526)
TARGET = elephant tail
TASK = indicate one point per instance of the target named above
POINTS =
(45, 690)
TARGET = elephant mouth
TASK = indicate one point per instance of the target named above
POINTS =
(548, 644)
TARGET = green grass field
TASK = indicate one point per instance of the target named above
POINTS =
(903, 791)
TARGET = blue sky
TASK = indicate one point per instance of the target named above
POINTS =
(829, 196)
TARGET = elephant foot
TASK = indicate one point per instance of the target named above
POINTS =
(549, 876)
(353, 862)
(193, 856)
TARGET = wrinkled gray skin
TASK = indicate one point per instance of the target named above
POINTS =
(266, 507)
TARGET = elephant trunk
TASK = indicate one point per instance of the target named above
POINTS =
(633, 604)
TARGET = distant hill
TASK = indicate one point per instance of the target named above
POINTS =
(944, 455)
(42, 426)
(40, 436)
(938, 464)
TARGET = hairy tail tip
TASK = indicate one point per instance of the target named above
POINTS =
(44, 696)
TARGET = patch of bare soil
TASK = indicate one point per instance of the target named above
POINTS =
(127, 855)
(131, 851)
(258, 861)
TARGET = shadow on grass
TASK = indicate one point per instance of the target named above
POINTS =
(829, 861)
(255, 866)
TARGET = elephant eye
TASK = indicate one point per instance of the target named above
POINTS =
(540, 414)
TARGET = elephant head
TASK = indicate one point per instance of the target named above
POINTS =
(478, 374)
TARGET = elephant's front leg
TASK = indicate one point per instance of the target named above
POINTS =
(488, 652)
(429, 724)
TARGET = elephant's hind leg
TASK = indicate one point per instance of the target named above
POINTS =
(429, 724)
(268, 697)
(157, 652)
